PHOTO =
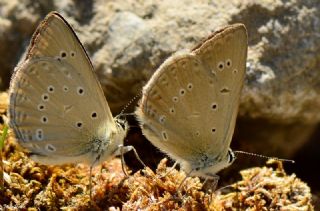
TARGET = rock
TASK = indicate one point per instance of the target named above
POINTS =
(128, 40)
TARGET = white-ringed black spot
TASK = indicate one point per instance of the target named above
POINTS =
(72, 53)
(213, 130)
(79, 124)
(44, 119)
(220, 66)
(63, 54)
(175, 99)
(182, 92)
(50, 89)
(172, 110)
(41, 107)
(80, 90)
(164, 135)
(45, 97)
(39, 134)
(50, 148)
(228, 63)
(214, 106)
(189, 86)
(94, 115)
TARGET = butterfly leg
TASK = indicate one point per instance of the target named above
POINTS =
(214, 179)
(170, 170)
(125, 149)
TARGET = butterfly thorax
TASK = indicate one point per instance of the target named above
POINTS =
(207, 166)
(108, 145)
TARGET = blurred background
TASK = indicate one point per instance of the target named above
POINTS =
(128, 40)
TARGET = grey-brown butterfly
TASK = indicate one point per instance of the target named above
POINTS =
(189, 106)
(57, 107)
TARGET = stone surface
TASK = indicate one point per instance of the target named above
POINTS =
(128, 40)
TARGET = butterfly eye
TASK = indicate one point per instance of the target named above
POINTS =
(231, 156)
(121, 123)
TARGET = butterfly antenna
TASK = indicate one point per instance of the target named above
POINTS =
(263, 156)
(129, 103)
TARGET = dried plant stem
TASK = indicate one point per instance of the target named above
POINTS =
(2, 139)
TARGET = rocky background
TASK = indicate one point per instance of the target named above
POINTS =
(128, 40)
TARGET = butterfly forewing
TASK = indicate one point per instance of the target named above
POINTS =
(224, 56)
(55, 38)
(57, 107)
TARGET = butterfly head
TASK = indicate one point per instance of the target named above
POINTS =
(122, 126)
(207, 166)
(122, 129)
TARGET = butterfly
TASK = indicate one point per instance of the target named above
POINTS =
(57, 108)
(189, 106)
